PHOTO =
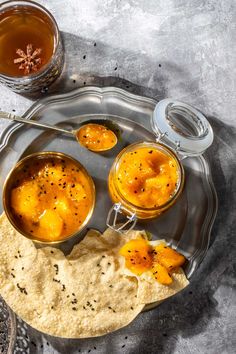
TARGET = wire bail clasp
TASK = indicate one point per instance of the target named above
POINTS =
(176, 147)
(113, 222)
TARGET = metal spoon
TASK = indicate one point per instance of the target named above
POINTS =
(93, 147)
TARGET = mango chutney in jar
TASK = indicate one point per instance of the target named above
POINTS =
(146, 178)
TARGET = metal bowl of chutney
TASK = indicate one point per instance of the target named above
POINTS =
(49, 197)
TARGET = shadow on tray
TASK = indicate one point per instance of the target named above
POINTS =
(79, 69)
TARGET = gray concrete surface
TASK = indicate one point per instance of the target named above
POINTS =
(163, 48)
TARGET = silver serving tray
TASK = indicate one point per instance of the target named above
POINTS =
(186, 226)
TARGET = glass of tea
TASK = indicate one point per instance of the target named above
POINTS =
(31, 51)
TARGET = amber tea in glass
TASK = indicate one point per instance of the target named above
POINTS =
(31, 54)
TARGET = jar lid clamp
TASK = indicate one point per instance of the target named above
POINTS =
(112, 219)
(181, 127)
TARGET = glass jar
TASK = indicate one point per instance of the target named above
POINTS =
(143, 209)
(29, 32)
(147, 177)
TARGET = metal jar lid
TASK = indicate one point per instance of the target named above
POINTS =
(181, 127)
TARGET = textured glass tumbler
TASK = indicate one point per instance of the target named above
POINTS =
(45, 75)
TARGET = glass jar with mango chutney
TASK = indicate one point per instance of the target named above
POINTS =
(147, 177)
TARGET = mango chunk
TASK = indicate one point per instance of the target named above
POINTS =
(76, 192)
(62, 207)
(157, 182)
(138, 256)
(52, 223)
(24, 199)
(168, 257)
(161, 274)
(54, 173)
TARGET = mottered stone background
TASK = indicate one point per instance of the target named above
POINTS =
(161, 48)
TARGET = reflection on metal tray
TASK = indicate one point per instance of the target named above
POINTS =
(186, 226)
